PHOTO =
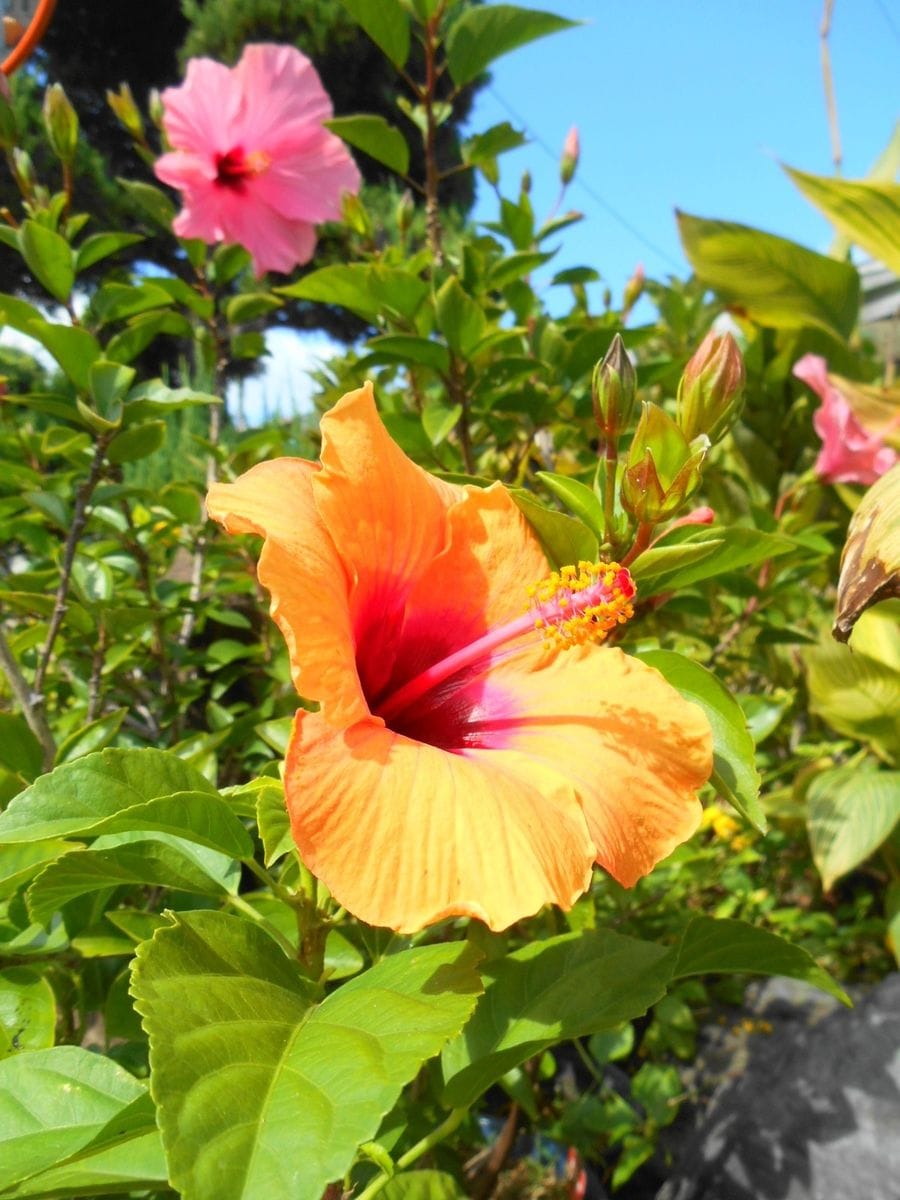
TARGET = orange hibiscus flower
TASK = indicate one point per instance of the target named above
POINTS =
(461, 763)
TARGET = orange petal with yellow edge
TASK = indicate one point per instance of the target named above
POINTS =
(632, 747)
(404, 834)
(302, 569)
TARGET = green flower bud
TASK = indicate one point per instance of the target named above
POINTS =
(123, 105)
(405, 210)
(61, 123)
(711, 390)
(155, 107)
(612, 390)
(24, 170)
(663, 469)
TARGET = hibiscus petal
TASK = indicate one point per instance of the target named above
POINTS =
(278, 87)
(301, 568)
(404, 835)
(479, 581)
(388, 518)
(306, 182)
(199, 115)
(635, 750)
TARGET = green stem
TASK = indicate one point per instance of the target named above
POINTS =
(281, 893)
(248, 910)
(448, 1126)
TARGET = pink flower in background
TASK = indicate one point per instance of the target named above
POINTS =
(251, 156)
(849, 453)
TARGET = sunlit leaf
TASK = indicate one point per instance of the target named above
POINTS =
(262, 1090)
(850, 813)
(772, 280)
(481, 35)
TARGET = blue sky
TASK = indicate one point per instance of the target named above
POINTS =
(692, 104)
(679, 103)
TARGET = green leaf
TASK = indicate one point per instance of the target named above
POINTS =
(151, 202)
(77, 1103)
(867, 213)
(102, 245)
(144, 329)
(438, 421)
(197, 817)
(857, 690)
(363, 289)
(850, 813)
(493, 142)
(77, 796)
(375, 137)
(27, 1011)
(108, 383)
(249, 306)
(92, 737)
(549, 991)
(422, 1185)
(20, 751)
(564, 540)
(736, 548)
(49, 259)
(733, 947)
(386, 23)
(130, 1164)
(126, 860)
(139, 441)
(261, 1091)
(459, 317)
(74, 349)
(482, 35)
(734, 755)
(775, 281)
(18, 864)
(578, 499)
(404, 348)
(663, 560)
(154, 399)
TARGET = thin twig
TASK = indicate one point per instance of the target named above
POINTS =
(828, 83)
(76, 529)
(33, 712)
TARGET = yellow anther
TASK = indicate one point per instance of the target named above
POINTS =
(583, 603)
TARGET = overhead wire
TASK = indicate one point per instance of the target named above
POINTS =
(585, 187)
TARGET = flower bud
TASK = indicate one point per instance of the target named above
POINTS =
(663, 469)
(61, 123)
(634, 289)
(24, 170)
(405, 211)
(123, 105)
(711, 390)
(526, 183)
(612, 390)
(155, 107)
(570, 155)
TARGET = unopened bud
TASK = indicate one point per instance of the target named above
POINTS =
(61, 123)
(634, 289)
(155, 107)
(570, 155)
(405, 211)
(662, 469)
(526, 183)
(711, 390)
(123, 105)
(612, 390)
(24, 170)
(354, 214)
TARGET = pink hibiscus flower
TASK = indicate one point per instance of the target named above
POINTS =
(251, 156)
(849, 453)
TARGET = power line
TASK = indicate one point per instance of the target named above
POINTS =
(586, 188)
(889, 19)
